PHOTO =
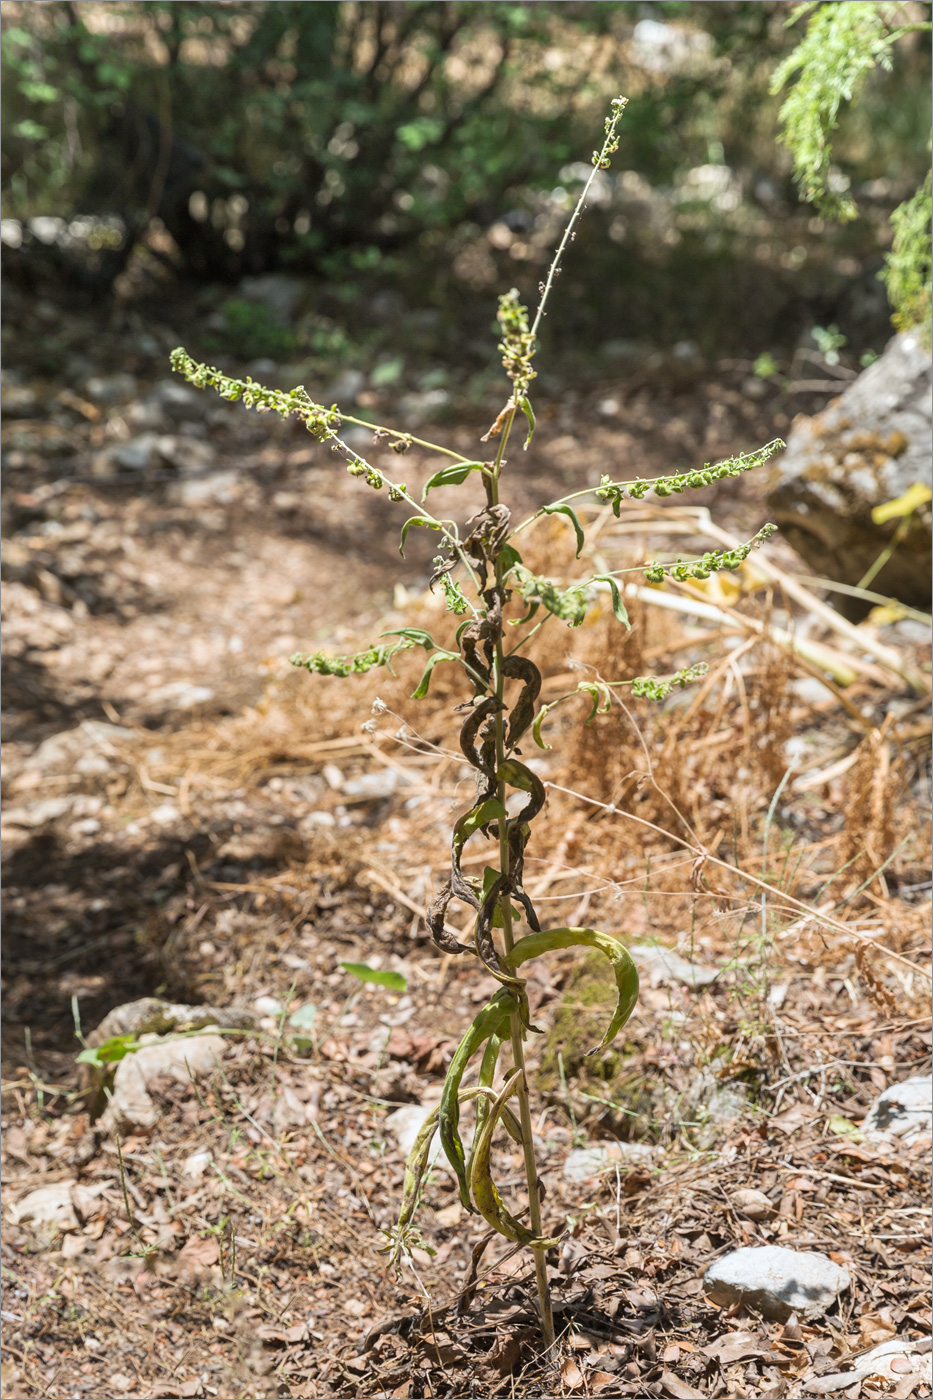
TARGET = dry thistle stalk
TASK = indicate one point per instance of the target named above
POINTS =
(484, 553)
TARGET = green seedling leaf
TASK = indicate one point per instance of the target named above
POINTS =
(843, 1127)
(574, 519)
(618, 607)
(394, 981)
(526, 408)
(489, 811)
(417, 635)
(454, 475)
(303, 1019)
(425, 681)
(536, 727)
(109, 1053)
(415, 520)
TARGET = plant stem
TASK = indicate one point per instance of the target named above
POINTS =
(518, 1048)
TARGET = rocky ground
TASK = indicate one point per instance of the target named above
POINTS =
(199, 835)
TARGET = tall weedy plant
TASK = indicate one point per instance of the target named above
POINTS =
(482, 573)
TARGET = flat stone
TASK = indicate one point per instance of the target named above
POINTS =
(220, 488)
(662, 965)
(585, 1162)
(372, 785)
(904, 1111)
(776, 1281)
(406, 1123)
(884, 1362)
(131, 1105)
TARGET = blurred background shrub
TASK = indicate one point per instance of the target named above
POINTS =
(435, 147)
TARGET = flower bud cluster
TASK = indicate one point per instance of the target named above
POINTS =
(658, 688)
(711, 563)
(616, 491)
(601, 159)
(517, 346)
(322, 663)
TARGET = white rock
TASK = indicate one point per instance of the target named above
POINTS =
(111, 388)
(373, 785)
(877, 1365)
(663, 965)
(35, 814)
(138, 454)
(131, 1105)
(67, 748)
(182, 695)
(405, 1124)
(316, 819)
(50, 1208)
(268, 1006)
(196, 1165)
(220, 488)
(904, 1111)
(776, 1281)
(165, 814)
(585, 1162)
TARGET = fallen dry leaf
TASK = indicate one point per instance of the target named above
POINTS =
(197, 1255)
(876, 1328)
(672, 1385)
(571, 1374)
(734, 1346)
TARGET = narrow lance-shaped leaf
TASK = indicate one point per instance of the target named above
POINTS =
(618, 607)
(600, 696)
(393, 980)
(486, 1196)
(487, 1023)
(574, 519)
(453, 475)
(415, 520)
(421, 1148)
(624, 969)
(525, 406)
(425, 681)
(416, 635)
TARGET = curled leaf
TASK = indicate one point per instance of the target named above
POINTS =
(424, 683)
(618, 607)
(487, 1198)
(574, 519)
(523, 669)
(453, 475)
(624, 969)
(415, 520)
(525, 406)
(487, 1023)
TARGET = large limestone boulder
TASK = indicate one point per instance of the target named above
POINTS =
(869, 447)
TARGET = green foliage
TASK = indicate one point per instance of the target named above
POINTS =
(250, 329)
(907, 272)
(844, 43)
(109, 1052)
(392, 981)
